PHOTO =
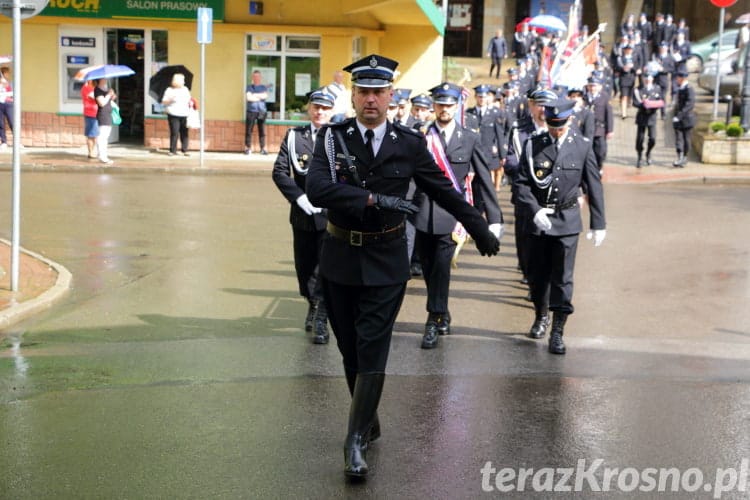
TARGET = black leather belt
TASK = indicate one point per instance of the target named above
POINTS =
(358, 238)
(564, 206)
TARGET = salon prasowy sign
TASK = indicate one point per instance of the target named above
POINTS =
(179, 10)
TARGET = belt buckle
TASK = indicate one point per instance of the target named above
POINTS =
(355, 238)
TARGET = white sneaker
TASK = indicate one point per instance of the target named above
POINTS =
(106, 162)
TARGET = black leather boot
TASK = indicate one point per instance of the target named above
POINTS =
(351, 380)
(444, 324)
(430, 337)
(648, 152)
(541, 323)
(310, 315)
(638, 162)
(556, 344)
(320, 324)
(365, 400)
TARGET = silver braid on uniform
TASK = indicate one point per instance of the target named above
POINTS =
(291, 146)
(331, 153)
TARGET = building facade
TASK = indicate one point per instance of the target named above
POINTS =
(471, 23)
(296, 48)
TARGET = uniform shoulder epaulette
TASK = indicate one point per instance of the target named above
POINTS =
(540, 138)
(408, 130)
(341, 124)
(301, 128)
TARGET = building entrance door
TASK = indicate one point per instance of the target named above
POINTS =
(126, 46)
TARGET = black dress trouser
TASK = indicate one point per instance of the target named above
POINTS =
(435, 254)
(362, 319)
(307, 246)
(551, 265)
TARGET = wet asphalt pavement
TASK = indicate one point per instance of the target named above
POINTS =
(177, 366)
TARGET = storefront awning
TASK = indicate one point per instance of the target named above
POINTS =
(404, 12)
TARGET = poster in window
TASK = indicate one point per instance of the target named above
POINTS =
(459, 16)
(263, 42)
(302, 83)
(267, 78)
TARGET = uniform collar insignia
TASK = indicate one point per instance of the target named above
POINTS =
(393, 135)
(350, 131)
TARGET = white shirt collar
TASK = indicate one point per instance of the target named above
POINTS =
(377, 139)
(448, 129)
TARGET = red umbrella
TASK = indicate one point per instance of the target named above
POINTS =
(519, 26)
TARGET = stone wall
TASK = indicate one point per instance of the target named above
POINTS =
(712, 148)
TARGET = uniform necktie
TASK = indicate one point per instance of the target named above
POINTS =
(445, 139)
(370, 135)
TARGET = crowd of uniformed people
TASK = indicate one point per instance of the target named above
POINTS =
(395, 188)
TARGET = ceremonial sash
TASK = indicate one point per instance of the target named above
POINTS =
(435, 145)
(436, 148)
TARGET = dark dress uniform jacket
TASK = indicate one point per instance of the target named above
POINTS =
(646, 117)
(491, 132)
(291, 182)
(403, 155)
(583, 122)
(602, 110)
(684, 111)
(668, 66)
(569, 168)
(463, 153)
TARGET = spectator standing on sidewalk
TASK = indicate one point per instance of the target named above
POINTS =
(177, 102)
(104, 97)
(497, 50)
(343, 105)
(308, 222)
(684, 117)
(6, 105)
(256, 112)
(90, 109)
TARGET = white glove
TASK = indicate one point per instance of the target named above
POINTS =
(497, 229)
(306, 206)
(541, 220)
(598, 235)
(675, 119)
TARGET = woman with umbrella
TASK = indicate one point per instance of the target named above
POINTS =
(104, 97)
(177, 102)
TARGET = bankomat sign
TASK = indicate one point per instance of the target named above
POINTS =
(182, 10)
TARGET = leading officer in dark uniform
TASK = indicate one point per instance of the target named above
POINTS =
(360, 172)
(308, 222)
(648, 99)
(555, 165)
(459, 154)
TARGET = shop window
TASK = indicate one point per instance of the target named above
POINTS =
(289, 68)
(159, 52)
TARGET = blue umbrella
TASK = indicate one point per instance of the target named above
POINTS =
(103, 71)
(548, 22)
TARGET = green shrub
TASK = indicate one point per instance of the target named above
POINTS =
(716, 126)
(734, 130)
